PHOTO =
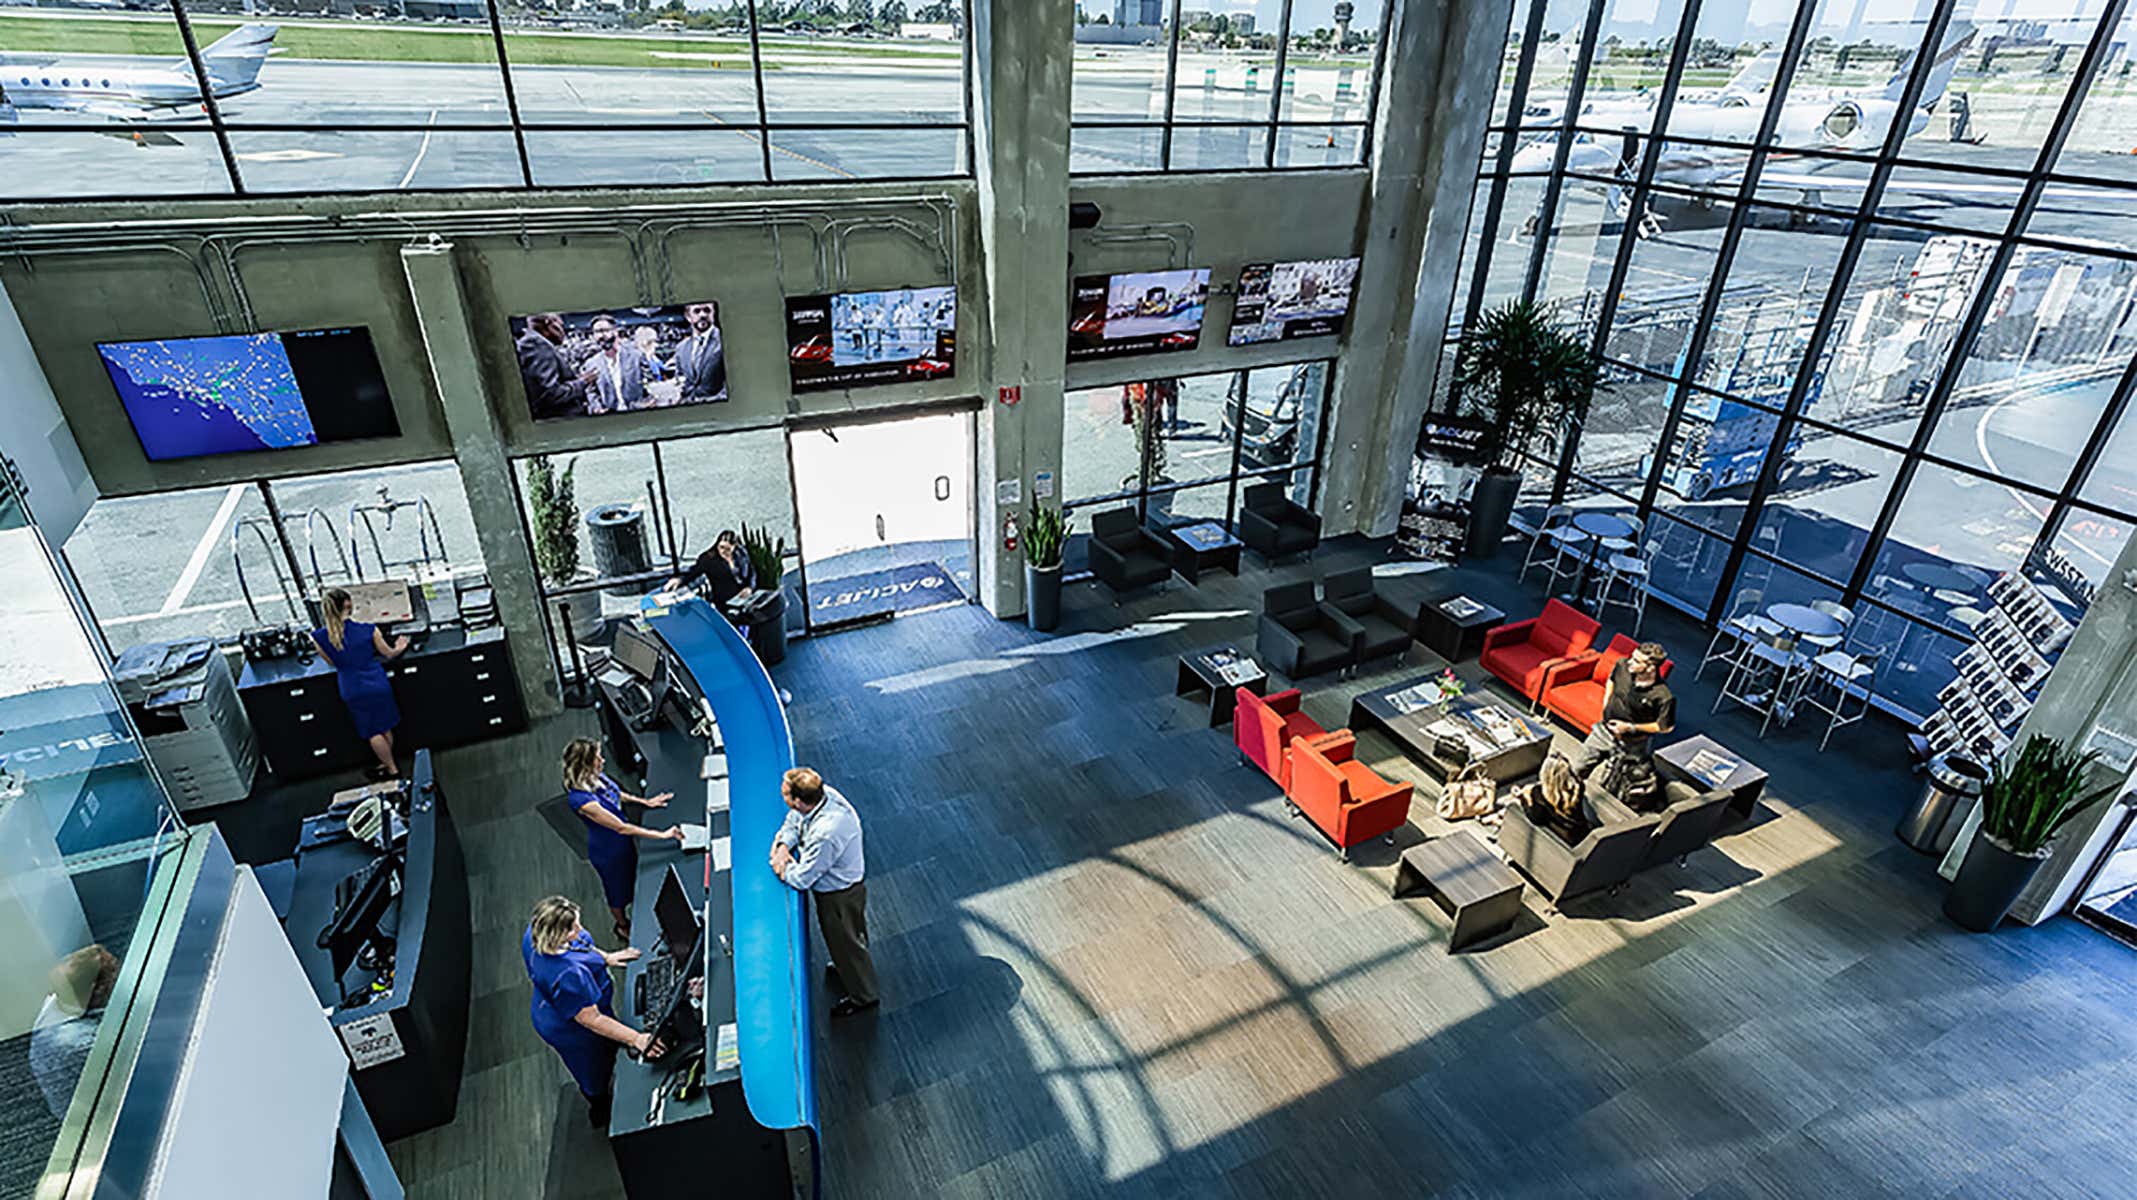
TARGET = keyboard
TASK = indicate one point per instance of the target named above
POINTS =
(656, 986)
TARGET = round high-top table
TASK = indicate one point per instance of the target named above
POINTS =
(1599, 526)
(1803, 621)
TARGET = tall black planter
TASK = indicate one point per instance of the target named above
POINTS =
(1042, 597)
(1989, 881)
(1490, 506)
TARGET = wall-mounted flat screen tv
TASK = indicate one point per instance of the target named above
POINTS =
(1281, 301)
(611, 360)
(860, 339)
(1144, 312)
(231, 393)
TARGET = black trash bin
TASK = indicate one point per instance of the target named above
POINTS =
(618, 534)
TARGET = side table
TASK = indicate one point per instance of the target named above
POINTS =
(1468, 881)
(1220, 671)
(1456, 638)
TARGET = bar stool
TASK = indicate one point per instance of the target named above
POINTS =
(1745, 625)
(1557, 545)
(1844, 676)
(1630, 570)
(1839, 612)
(1765, 679)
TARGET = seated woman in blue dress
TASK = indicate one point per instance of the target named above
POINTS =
(358, 652)
(610, 840)
(574, 1000)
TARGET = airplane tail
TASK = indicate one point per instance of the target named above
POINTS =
(233, 61)
(1957, 38)
(1755, 76)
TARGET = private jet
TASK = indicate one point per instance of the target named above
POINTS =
(134, 90)
(1856, 121)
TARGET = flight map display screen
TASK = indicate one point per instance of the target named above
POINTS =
(232, 393)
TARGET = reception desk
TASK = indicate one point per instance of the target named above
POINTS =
(754, 1129)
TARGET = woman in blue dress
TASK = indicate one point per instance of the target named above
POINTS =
(359, 652)
(611, 843)
(574, 1000)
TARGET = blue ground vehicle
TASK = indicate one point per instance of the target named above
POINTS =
(1719, 442)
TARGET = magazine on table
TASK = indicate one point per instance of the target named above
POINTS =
(1460, 607)
(1711, 768)
(1416, 698)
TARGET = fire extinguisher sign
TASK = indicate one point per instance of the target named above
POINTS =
(1011, 394)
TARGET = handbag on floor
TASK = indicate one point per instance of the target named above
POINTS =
(1469, 793)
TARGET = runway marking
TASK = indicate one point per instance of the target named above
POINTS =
(201, 550)
(187, 611)
(420, 151)
(282, 156)
(754, 136)
(1981, 446)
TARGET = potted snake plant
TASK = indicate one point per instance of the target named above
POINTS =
(1045, 533)
(2026, 802)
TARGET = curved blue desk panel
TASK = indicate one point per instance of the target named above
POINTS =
(773, 986)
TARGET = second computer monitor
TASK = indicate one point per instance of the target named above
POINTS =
(636, 652)
(679, 920)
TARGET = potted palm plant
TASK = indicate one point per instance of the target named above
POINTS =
(2026, 802)
(1045, 533)
(1530, 381)
(768, 616)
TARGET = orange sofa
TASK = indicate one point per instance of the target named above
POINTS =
(1573, 688)
(1264, 728)
(1346, 799)
(1520, 651)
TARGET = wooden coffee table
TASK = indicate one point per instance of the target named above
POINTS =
(1375, 710)
(1201, 671)
(1468, 881)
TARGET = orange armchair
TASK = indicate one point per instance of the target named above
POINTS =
(1263, 727)
(1347, 800)
(1520, 651)
(1573, 688)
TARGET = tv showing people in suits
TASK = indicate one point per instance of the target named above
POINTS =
(582, 364)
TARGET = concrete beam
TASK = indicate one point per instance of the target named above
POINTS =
(449, 348)
(1023, 56)
(1438, 85)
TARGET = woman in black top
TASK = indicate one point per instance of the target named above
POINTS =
(722, 571)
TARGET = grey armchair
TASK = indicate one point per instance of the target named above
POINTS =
(1690, 821)
(1384, 627)
(1604, 859)
(1299, 637)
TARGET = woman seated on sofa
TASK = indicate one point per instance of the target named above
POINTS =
(1558, 802)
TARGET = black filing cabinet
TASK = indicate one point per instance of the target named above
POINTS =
(454, 689)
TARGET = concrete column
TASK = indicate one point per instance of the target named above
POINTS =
(1438, 86)
(2093, 686)
(1023, 55)
(485, 473)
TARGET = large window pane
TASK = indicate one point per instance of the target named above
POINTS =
(1329, 73)
(1777, 282)
(2113, 482)
(1854, 50)
(1666, 281)
(1631, 63)
(604, 79)
(56, 163)
(335, 70)
(1953, 534)
(1117, 151)
(1728, 77)
(394, 523)
(621, 476)
(1829, 492)
(880, 80)
(1582, 252)
(2040, 374)
(2091, 541)
(726, 481)
(1320, 146)
(1688, 563)
(2006, 86)
(1895, 331)
(2100, 141)
(575, 157)
(1098, 448)
(1917, 660)
(802, 155)
(1283, 415)
(1219, 148)
(1195, 433)
(179, 564)
(353, 160)
(1120, 67)
(1618, 441)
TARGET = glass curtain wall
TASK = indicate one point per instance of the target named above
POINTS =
(1864, 277)
(209, 562)
(83, 822)
(1183, 450)
(657, 506)
(1170, 85)
(465, 94)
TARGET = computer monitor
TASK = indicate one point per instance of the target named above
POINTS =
(361, 902)
(636, 652)
(380, 602)
(678, 1026)
(678, 918)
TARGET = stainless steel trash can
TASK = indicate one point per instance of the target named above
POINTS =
(1933, 821)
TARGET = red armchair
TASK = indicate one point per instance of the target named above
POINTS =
(1519, 652)
(1263, 727)
(1346, 799)
(1573, 688)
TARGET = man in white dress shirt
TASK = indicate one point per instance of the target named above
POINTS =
(818, 850)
